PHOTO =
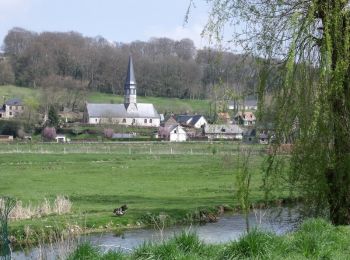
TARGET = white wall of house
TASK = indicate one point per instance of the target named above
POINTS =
(150, 122)
(12, 111)
(200, 122)
(178, 135)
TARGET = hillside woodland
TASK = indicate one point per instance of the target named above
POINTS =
(164, 67)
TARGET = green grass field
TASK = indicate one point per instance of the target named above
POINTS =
(163, 105)
(96, 183)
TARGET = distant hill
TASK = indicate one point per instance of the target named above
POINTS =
(163, 105)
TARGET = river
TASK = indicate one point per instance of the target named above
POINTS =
(229, 227)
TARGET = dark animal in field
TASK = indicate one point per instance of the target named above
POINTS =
(120, 211)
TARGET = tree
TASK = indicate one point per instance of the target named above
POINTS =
(53, 116)
(311, 38)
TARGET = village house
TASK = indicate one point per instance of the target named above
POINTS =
(245, 118)
(172, 133)
(233, 132)
(11, 108)
(195, 121)
(130, 113)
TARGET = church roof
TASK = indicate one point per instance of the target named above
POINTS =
(119, 111)
(130, 77)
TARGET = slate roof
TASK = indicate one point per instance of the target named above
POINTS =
(130, 77)
(119, 111)
(223, 129)
(14, 102)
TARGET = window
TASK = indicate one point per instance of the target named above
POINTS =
(124, 120)
(150, 120)
(10, 107)
(96, 120)
(133, 91)
(0, 115)
(145, 121)
(133, 121)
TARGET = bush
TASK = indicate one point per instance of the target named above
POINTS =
(10, 127)
(49, 133)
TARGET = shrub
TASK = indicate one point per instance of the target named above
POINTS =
(49, 133)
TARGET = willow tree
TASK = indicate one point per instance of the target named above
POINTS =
(309, 41)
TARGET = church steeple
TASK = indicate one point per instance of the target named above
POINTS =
(130, 85)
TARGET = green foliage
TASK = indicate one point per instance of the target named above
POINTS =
(85, 251)
(53, 116)
(256, 244)
(313, 40)
(315, 239)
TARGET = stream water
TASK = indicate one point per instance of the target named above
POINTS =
(229, 227)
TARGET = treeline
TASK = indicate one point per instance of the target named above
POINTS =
(164, 67)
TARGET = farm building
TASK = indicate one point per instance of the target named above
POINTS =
(195, 121)
(233, 132)
(11, 108)
(130, 113)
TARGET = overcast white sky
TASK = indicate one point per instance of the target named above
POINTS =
(115, 20)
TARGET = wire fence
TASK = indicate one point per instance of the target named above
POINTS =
(132, 148)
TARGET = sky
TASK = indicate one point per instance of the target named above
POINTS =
(115, 20)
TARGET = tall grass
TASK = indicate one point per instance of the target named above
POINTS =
(61, 205)
(315, 239)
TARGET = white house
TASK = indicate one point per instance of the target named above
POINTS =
(177, 134)
(130, 113)
(195, 121)
(173, 133)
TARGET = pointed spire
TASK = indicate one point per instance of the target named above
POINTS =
(130, 77)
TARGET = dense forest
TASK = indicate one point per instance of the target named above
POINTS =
(164, 67)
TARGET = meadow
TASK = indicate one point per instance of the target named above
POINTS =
(96, 180)
(163, 105)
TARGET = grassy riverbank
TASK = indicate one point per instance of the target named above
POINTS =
(176, 185)
(315, 239)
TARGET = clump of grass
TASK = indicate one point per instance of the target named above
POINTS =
(85, 251)
(319, 239)
(256, 244)
(61, 205)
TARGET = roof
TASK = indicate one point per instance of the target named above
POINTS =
(188, 119)
(14, 102)
(130, 77)
(221, 129)
(119, 111)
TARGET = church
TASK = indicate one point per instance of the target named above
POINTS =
(130, 113)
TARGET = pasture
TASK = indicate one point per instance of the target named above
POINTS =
(172, 179)
(163, 105)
